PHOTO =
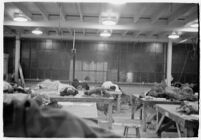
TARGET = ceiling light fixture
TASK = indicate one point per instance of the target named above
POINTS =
(37, 32)
(184, 40)
(20, 17)
(105, 33)
(173, 36)
(194, 25)
(109, 21)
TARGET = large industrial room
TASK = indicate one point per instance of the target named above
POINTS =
(103, 69)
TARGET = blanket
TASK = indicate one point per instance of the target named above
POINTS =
(26, 119)
(184, 93)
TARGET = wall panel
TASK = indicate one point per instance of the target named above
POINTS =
(102, 60)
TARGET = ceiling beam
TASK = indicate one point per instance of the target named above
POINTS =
(63, 16)
(137, 34)
(180, 12)
(8, 16)
(124, 33)
(142, 10)
(81, 15)
(191, 17)
(9, 30)
(42, 10)
(80, 11)
(96, 26)
(58, 31)
(98, 32)
(151, 33)
(70, 31)
(97, 38)
(61, 12)
(22, 8)
(164, 34)
(67, 31)
(45, 31)
(159, 12)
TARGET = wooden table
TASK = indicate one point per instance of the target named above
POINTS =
(86, 111)
(53, 94)
(146, 103)
(103, 100)
(7, 98)
(186, 122)
(82, 110)
(118, 93)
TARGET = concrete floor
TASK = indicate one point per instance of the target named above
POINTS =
(123, 116)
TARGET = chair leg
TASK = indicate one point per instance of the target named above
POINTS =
(126, 132)
(137, 132)
(125, 128)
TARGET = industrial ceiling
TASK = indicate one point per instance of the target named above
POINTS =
(134, 21)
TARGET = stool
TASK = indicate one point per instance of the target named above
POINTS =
(137, 129)
(104, 124)
(129, 124)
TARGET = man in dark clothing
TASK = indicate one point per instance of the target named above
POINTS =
(75, 83)
(80, 85)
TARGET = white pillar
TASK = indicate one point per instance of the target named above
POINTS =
(17, 57)
(169, 63)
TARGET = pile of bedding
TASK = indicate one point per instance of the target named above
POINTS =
(48, 84)
(104, 89)
(80, 85)
(184, 93)
(189, 107)
(55, 86)
(46, 88)
(43, 90)
(97, 92)
(14, 88)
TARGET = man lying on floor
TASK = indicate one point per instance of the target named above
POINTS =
(24, 118)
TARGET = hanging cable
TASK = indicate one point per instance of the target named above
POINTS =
(74, 40)
(60, 19)
(74, 52)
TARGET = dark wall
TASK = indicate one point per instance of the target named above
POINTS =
(185, 61)
(45, 59)
(144, 60)
(9, 48)
(111, 60)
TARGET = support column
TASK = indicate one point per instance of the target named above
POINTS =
(74, 55)
(74, 59)
(169, 63)
(118, 71)
(17, 57)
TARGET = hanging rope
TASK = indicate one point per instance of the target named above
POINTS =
(60, 18)
(74, 57)
(74, 40)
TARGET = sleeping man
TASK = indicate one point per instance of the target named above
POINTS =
(103, 90)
